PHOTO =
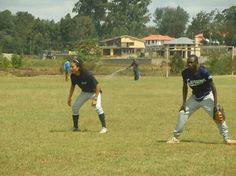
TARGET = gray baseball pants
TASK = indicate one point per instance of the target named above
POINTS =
(191, 106)
(82, 98)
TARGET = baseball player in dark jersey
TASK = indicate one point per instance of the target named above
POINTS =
(90, 89)
(135, 65)
(204, 96)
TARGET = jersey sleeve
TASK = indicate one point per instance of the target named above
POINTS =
(73, 80)
(207, 76)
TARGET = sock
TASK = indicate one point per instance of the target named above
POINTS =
(75, 120)
(102, 119)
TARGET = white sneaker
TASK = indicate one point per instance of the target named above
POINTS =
(230, 142)
(173, 140)
(103, 130)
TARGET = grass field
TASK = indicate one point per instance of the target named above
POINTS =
(35, 136)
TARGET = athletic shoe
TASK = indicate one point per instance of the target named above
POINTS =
(76, 129)
(173, 140)
(230, 142)
(103, 130)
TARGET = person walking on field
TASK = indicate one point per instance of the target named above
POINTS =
(204, 96)
(90, 89)
(66, 69)
(135, 66)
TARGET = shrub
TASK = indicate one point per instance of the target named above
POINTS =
(220, 65)
(16, 61)
(176, 64)
(4, 62)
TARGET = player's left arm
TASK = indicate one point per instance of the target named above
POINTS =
(97, 90)
(213, 87)
(209, 79)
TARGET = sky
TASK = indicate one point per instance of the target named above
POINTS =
(57, 9)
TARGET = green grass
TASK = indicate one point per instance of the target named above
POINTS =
(35, 136)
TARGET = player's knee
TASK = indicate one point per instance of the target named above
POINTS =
(99, 110)
(75, 109)
(183, 113)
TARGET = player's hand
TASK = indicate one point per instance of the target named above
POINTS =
(94, 102)
(69, 101)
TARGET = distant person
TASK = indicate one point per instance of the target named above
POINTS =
(67, 69)
(90, 89)
(135, 66)
(204, 96)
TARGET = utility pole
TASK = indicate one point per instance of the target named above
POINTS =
(167, 60)
(30, 47)
(232, 65)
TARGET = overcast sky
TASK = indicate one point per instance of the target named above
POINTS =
(57, 9)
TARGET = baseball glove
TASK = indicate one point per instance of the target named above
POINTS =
(219, 115)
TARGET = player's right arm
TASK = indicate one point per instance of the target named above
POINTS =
(72, 88)
(184, 93)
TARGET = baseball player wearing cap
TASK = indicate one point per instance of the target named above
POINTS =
(204, 96)
(90, 89)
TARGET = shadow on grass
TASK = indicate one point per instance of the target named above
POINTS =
(68, 130)
(197, 141)
(191, 141)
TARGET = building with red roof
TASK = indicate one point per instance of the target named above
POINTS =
(156, 40)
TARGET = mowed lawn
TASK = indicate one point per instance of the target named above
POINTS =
(36, 137)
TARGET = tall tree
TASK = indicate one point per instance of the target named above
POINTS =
(7, 28)
(45, 36)
(76, 29)
(230, 22)
(23, 31)
(66, 28)
(95, 9)
(127, 17)
(201, 24)
(171, 21)
(84, 28)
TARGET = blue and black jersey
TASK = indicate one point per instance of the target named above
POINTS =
(199, 83)
(86, 81)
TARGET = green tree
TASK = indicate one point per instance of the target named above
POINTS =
(201, 24)
(84, 28)
(76, 29)
(23, 30)
(7, 28)
(177, 64)
(45, 36)
(127, 16)
(95, 9)
(7, 22)
(230, 23)
(66, 29)
(89, 50)
(171, 21)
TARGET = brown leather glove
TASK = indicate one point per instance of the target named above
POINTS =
(219, 115)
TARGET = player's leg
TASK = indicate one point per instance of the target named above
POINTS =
(208, 105)
(80, 100)
(100, 112)
(191, 106)
(66, 75)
